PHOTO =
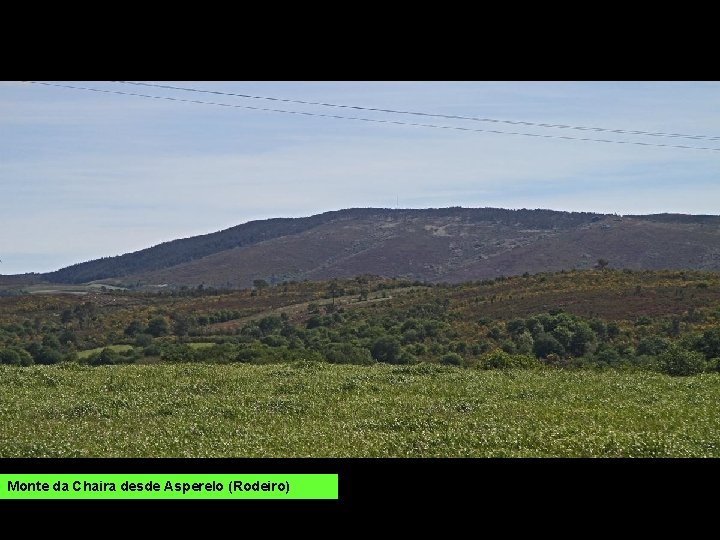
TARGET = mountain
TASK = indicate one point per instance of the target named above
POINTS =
(439, 244)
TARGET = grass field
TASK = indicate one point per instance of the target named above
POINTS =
(202, 345)
(89, 352)
(323, 410)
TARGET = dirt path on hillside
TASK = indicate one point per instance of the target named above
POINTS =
(299, 311)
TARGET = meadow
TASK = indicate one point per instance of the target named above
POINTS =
(317, 409)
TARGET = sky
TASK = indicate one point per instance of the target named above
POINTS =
(88, 174)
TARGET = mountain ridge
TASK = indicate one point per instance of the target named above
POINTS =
(434, 244)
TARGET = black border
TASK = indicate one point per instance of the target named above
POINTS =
(495, 486)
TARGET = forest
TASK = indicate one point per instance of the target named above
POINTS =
(659, 321)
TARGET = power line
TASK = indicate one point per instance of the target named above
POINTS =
(434, 115)
(374, 120)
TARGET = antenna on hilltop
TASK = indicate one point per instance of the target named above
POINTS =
(397, 201)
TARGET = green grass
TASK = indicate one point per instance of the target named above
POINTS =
(118, 348)
(200, 410)
(200, 345)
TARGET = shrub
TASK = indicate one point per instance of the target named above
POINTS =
(499, 359)
(709, 344)
(158, 326)
(15, 356)
(386, 349)
(406, 357)
(607, 354)
(583, 339)
(678, 361)
(652, 346)
(106, 357)
(270, 324)
(275, 341)
(613, 329)
(546, 344)
(135, 327)
(177, 352)
(313, 322)
(524, 342)
(452, 359)
(346, 353)
(152, 350)
(48, 356)
(221, 353)
(143, 340)
(515, 326)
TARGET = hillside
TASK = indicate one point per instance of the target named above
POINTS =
(435, 245)
(575, 363)
(582, 317)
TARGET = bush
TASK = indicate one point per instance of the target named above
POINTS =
(407, 357)
(652, 346)
(143, 340)
(546, 344)
(221, 353)
(607, 354)
(452, 359)
(524, 342)
(152, 350)
(106, 357)
(270, 324)
(499, 359)
(313, 322)
(275, 341)
(158, 326)
(48, 356)
(17, 357)
(709, 344)
(346, 353)
(386, 349)
(682, 362)
(135, 327)
(177, 352)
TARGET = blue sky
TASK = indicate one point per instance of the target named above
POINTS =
(85, 175)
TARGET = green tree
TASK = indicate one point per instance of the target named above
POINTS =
(135, 327)
(452, 359)
(181, 326)
(709, 344)
(158, 326)
(582, 339)
(524, 342)
(499, 359)
(48, 356)
(51, 342)
(546, 344)
(346, 353)
(270, 324)
(678, 361)
(143, 340)
(67, 337)
(334, 290)
(15, 356)
(601, 264)
(66, 316)
(652, 346)
(260, 284)
(386, 349)
(106, 357)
